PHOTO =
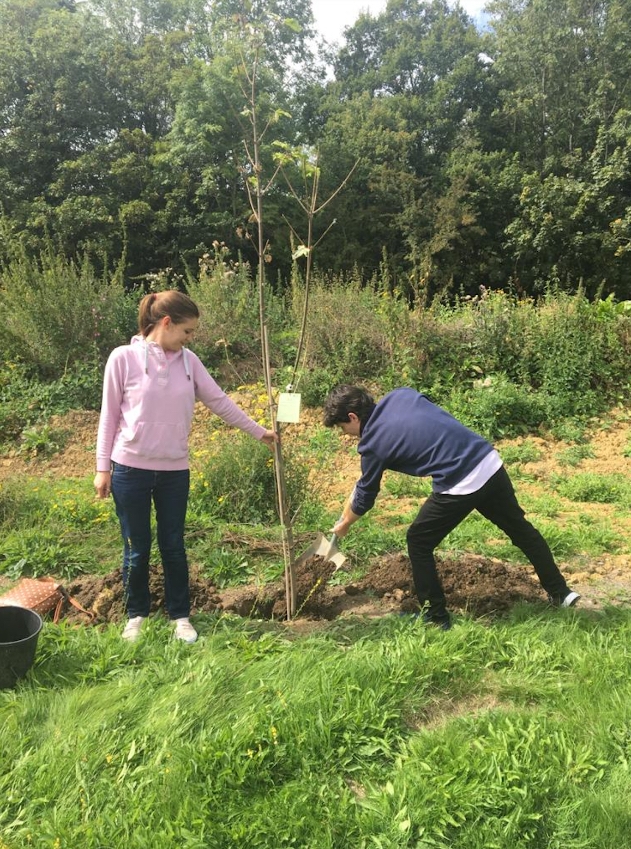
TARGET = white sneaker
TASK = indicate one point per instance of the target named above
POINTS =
(132, 629)
(185, 631)
(570, 599)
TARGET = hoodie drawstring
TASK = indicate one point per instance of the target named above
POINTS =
(184, 357)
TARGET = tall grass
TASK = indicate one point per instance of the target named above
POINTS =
(58, 313)
(369, 734)
(505, 365)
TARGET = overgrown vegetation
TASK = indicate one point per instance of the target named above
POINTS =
(504, 365)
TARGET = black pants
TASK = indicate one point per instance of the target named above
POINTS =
(497, 502)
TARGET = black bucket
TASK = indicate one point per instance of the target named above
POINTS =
(19, 630)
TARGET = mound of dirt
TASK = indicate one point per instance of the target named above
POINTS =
(103, 595)
(478, 585)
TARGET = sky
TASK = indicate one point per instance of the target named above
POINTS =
(331, 16)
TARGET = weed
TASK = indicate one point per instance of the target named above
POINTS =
(42, 441)
(227, 568)
(37, 554)
(603, 489)
(236, 482)
(575, 454)
(524, 452)
(568, 430)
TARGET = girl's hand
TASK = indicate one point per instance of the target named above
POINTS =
(269, 438)
(103, 484)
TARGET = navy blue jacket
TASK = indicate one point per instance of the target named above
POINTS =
(407, 433)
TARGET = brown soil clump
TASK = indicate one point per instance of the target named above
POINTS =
(477, 585)
(103, 595)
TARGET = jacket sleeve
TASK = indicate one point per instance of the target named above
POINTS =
(109, 420)
(368, 486)
(209, 393)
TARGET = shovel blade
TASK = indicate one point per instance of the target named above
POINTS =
(316, 549)
(334, 555)
(322, 547)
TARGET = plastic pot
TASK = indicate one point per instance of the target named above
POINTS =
(19, 630)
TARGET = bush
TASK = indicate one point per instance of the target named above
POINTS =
(227, 297)
(58, 313)
(499, 410)
(25, 400)
(237, 483)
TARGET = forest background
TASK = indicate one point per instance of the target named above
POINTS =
(499, 157)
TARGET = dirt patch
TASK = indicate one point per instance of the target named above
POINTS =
(476, 585)
(103, 595)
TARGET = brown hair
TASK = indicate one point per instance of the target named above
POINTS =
(154, 307)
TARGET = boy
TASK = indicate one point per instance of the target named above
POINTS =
(406, 433)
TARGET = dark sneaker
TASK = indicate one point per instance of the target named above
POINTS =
(565, 601)
(443, 622)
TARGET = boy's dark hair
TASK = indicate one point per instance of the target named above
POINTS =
(347, 399)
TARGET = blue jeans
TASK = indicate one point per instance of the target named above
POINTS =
(133, 491)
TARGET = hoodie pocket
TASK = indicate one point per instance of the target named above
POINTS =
(158, 441)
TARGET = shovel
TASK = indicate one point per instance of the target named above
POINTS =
(325, 548)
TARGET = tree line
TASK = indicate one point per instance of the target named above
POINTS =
(497, 158)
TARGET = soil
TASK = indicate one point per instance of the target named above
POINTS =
(480, 586)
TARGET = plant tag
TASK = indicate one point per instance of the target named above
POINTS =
(288, 407)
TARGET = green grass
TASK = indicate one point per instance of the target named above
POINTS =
(601, 489)
(368, 734)
(56, 526)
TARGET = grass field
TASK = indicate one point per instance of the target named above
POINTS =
(364, 734)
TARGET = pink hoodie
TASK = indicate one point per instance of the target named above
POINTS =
(148, 401)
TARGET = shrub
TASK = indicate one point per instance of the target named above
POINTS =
(236, 483)
(500, 409)
(58, 313)
(25, 400)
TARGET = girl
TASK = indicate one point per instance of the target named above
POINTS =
(149, 392)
